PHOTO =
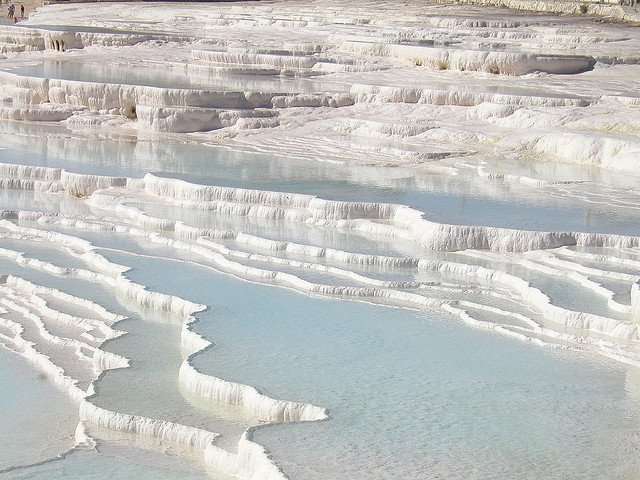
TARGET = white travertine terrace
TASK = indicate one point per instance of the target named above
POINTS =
(250, 461)
(361, 57)
(429, 87)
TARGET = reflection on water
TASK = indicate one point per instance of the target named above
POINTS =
(590, 205)
(181, 76)
(407, 392)
(445, 389)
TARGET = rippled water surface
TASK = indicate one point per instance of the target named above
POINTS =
(412, 395)
(401, 266)
(460, 200)
(409, 394)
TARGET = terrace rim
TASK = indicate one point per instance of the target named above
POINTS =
(614, 10)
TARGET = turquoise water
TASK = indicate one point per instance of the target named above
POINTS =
(91, 465)
(460, 199)
(164, 78)
(410, 395)
(38, 421)
(439, 366)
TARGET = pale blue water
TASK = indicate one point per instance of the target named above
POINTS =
(91, 465)
(410, 395)
(37, 421)
(462, 199)
(165, 78)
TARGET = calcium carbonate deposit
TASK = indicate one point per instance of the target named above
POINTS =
(320, 240)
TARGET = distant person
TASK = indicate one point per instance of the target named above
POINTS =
(22, 11)
(12, 10)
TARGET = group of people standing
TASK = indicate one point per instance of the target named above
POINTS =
(12, 11)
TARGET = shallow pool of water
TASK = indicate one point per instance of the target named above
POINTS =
(177, 77)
